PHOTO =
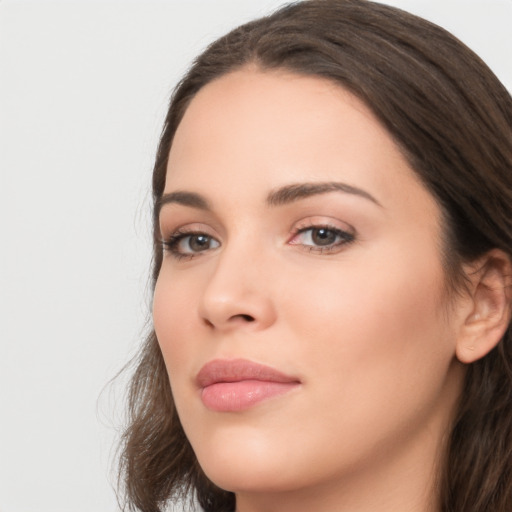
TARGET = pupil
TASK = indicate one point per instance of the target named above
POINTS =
(323, 237)
(199, 242)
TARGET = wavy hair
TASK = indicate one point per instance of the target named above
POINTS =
(452, 119)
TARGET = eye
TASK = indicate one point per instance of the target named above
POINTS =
(322, 238)
(190, 244)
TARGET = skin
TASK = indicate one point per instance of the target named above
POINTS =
(362, 324)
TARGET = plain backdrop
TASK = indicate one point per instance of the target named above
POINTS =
(83, 90)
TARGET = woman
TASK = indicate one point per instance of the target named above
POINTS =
(332, 236)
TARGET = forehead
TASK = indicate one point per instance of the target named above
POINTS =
(264, 129)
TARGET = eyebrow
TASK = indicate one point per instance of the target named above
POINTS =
(185, 198)
(294, 192)
(278, 197)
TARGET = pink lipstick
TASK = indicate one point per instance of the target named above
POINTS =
(238, 384)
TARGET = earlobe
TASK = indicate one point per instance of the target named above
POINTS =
(485, 325)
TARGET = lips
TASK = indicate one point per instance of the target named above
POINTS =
(236, 385)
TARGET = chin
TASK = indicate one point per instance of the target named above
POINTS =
(246, 461)
(239, 478)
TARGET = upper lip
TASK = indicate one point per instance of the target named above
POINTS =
(234, 370)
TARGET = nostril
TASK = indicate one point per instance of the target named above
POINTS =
(207, 322)
(247, 318)
(241, 318)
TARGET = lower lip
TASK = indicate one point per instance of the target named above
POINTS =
(241, 395)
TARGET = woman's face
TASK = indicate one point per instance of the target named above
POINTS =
(298, 238)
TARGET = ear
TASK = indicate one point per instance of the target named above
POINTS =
(490, 306)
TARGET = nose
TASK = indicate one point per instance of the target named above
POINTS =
(238, 293)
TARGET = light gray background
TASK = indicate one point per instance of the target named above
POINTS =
(83, 90)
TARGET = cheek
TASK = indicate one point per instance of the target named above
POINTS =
(378, 334)
(173, 306)
(376, 356)
(399, 292)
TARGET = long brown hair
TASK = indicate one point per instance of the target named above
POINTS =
(452, 119)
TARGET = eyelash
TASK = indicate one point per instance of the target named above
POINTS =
(344, 238)
(171, 244)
